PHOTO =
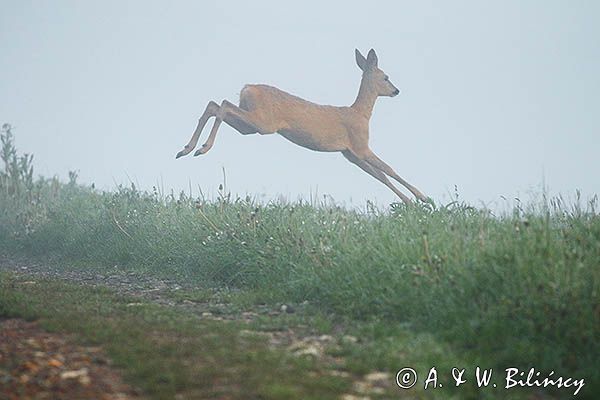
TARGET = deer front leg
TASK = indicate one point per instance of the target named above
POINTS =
(376, 162)
(210, 111)
(238, 119)
(377, 174)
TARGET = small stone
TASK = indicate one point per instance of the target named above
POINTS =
(354, 397)
(348, 339)
(286, 308)
(308, 351)
(249, 314)
(326, 338)
(362, 387)
(78, 373)
(342, 374)
(378, 377)
(55, 363)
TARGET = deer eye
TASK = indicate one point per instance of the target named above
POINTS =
(386, 78)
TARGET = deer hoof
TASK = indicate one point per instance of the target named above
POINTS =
(427, 202)
(202, 150)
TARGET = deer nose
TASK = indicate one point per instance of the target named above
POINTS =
(396, 92)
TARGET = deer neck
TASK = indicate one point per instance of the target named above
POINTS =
(365, 100)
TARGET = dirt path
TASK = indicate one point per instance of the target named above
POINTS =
(35, 364)
(125, 283)
(148, 288)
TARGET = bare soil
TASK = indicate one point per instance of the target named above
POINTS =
(35, 364)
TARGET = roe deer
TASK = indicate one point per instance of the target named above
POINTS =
(265, 109)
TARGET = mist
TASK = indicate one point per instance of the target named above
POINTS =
(498, 100)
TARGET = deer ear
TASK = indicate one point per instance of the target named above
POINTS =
(360, 60)
(372, 58)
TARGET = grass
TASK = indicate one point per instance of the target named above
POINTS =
(167, 352)
(519, 289)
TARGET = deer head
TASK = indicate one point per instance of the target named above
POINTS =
(376, 80)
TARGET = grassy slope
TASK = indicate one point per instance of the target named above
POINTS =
(518, 290)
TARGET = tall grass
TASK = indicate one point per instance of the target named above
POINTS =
(517, 289)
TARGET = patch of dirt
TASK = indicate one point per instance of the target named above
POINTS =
(143, 286)
(123, 282)
(35, 364)
(301, 343)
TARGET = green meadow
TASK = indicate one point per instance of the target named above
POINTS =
(422, 285)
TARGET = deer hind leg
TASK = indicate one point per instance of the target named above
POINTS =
(240, 120)
(376, 162)
(210, 111)
(377, 174)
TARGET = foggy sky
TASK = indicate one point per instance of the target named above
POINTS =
(498, 98)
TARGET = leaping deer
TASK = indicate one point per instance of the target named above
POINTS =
(265, 109)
